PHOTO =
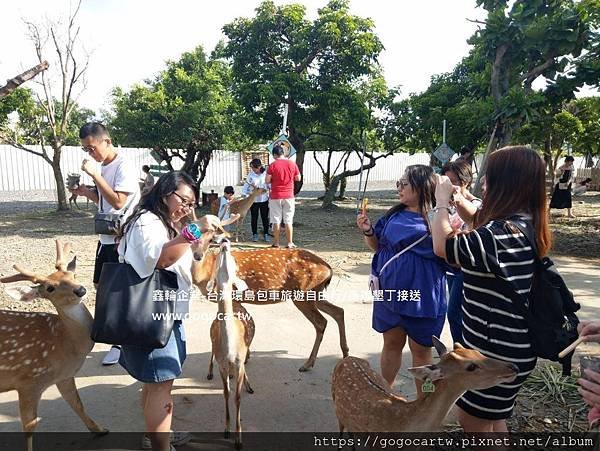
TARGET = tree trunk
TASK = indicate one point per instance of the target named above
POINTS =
(329, 196)
(343, 184)
(490, 148)
(326, 180)
(203, 160)
(299, 145)
(61, 193)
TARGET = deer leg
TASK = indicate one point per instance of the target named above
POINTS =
(28, 404)
(247, 356)
(225, 379)
(247, 382)
(310, 310)
(68, 390)
(337, 313)
(241, 380)
(209, 376)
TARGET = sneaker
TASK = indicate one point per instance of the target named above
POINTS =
(255, 237)
(291, 246)
(112, 356)
(176, 439)
(267, 238)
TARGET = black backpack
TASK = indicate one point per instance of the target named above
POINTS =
(549, 308)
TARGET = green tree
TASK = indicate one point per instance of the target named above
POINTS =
(348, 124)
(279, 57)
(587, 110)
(186, 112)
(522, 41)
(461, 97)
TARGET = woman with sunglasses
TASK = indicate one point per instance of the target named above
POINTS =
(409, 303)
(156, 237)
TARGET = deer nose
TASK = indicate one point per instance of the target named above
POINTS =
(513, 367)
(80, 292)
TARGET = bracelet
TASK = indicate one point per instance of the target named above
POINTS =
(191, 233)
(370, 230)
(436, 209)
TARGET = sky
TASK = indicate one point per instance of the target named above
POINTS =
(129, 40)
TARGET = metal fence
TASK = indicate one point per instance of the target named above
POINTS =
(23, 171)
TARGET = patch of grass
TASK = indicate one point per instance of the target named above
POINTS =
(550, 394)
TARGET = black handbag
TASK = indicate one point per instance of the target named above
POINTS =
(108, 223)
(131, 310)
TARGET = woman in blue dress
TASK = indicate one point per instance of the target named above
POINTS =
(410, 301)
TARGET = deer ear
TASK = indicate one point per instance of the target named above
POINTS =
(431, 372)
(72, 265)
(439, 346)
(23, 293)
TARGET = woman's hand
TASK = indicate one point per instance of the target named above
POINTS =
(589, 330)
(590, 389)
(363, 222)
(443, 190)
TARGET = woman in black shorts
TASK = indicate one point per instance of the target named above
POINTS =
(495, 249)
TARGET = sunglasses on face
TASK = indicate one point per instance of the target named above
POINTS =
(400, 184)
(91, 149)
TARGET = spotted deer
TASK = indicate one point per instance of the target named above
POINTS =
(38, 349)
(364, 401)
(73, 199)
(241, 207)
(231, 335)
(285, 271)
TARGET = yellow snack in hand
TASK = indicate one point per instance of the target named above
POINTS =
(364, 205)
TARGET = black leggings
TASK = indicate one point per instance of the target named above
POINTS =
(264, 214)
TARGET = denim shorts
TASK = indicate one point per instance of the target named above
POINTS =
(156, 365)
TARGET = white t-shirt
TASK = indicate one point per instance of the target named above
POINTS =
(120, 176)
(141, 248)
(258, 181)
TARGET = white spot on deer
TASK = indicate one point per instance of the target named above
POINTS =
(45, 354)
(27, 362)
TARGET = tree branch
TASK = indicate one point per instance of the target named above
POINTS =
(496, 69)
(15, 82)
(530, 76)
(307, 61)
(318, 162)
(19, 146)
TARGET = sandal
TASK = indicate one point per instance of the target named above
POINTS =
(275, 246)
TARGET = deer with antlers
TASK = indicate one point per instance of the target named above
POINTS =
(285, 271)
(241, 207)
(364, 401)
(231, 334)
(37, 349)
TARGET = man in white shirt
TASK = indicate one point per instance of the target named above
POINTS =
(117, 191)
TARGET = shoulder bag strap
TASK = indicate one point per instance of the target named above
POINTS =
(409, 247)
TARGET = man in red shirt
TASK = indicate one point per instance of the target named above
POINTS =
(281, 174)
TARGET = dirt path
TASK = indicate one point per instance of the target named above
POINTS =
(284, 399)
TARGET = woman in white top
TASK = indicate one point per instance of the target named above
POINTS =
(256, 179)
(156, 237)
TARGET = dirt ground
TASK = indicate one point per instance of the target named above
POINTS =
(28, 228)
